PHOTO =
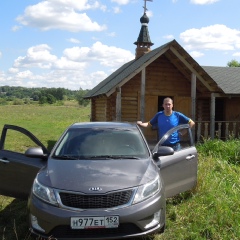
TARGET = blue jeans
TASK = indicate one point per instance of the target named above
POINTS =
(175, 146)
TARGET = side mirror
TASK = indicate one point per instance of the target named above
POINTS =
(35, 152)
(163, 151)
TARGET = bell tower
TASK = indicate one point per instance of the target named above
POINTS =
(143, 42)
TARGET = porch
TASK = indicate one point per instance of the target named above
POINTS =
(222, 130)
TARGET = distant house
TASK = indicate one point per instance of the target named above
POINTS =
(209, 95)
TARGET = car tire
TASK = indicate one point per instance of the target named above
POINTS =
(162, 229)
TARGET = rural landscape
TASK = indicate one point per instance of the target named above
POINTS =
(210, 211)
(120, 60)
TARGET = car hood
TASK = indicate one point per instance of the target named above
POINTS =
(81, 175)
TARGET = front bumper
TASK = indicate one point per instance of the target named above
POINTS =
(135, 220)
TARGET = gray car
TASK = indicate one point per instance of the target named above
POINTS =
(101, 180)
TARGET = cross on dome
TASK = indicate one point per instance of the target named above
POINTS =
(145, 4)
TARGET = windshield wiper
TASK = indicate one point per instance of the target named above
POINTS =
(126, 157)
(67, 157)
(100, 157)
(113, 157)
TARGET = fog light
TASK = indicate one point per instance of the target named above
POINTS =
(155, 220)
(34, 223)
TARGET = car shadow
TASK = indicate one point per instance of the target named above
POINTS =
(181, 197)
(13, 219)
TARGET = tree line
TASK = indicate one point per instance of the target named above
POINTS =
(233, 63)
(23, 95)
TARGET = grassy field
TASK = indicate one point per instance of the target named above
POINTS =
(210, 211)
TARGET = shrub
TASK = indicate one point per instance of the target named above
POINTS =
(228, 150)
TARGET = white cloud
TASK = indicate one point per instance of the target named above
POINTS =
(78, 67)
(13, 70)
(203, 2)
(109, 56)
(170, 37)
(77, 53)
(2, 77)
(214, 37)
(116, 9)
(112, 34)
(37, 56)
(196, 54)
(66, 64)
(61, 14)
(237, 54)
(24, 74)
(16, 28)
(0, 54)
(149, 13)
(73, 40)
(121, 2)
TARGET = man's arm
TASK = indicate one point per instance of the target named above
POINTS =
(145, 124)
(191, 123)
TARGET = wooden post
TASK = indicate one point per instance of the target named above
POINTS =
(142, 100)
(118, 104)
(206, 130)
(199, 126)
(219, 130)
(91, 114)
(212, 116)
(193, 96)
(227, 131)
(234, 129)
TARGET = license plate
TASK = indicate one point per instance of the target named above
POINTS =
(94, 222)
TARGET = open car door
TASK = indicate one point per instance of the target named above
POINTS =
(179, 171)
(17, 171)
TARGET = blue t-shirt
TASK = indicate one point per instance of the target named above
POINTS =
(165, 123)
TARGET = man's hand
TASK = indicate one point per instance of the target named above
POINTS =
(140, 123)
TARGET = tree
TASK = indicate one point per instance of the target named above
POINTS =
(80, 97)
(49, 98)
(233, 63)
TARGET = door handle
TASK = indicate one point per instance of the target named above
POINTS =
(190, 157)
(4, 161)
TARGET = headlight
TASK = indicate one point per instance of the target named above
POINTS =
(44, 193)
(148, 190)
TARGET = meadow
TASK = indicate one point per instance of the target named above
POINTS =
(210, 211)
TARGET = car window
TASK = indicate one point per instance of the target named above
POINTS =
(182, 138)
(99, 142)
(18, 142)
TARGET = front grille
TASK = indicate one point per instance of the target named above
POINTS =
(110, 200)
(122, 230)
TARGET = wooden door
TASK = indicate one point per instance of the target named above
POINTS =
(151, 108)
(183, 105)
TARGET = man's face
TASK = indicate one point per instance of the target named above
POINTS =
(167, 105)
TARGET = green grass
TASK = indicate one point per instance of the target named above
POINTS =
(47, 123)
(210, 211)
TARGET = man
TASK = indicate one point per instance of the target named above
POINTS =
(167, 119)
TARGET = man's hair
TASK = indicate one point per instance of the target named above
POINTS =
(167, 98)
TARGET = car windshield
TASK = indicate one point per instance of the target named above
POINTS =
(97, 143)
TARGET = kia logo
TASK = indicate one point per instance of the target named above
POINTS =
(95, 189)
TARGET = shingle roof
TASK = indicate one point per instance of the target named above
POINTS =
(123, 72)
(227, 78)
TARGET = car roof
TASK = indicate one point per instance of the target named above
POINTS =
(123, 125)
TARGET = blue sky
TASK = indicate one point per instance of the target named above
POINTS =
(78, 43)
